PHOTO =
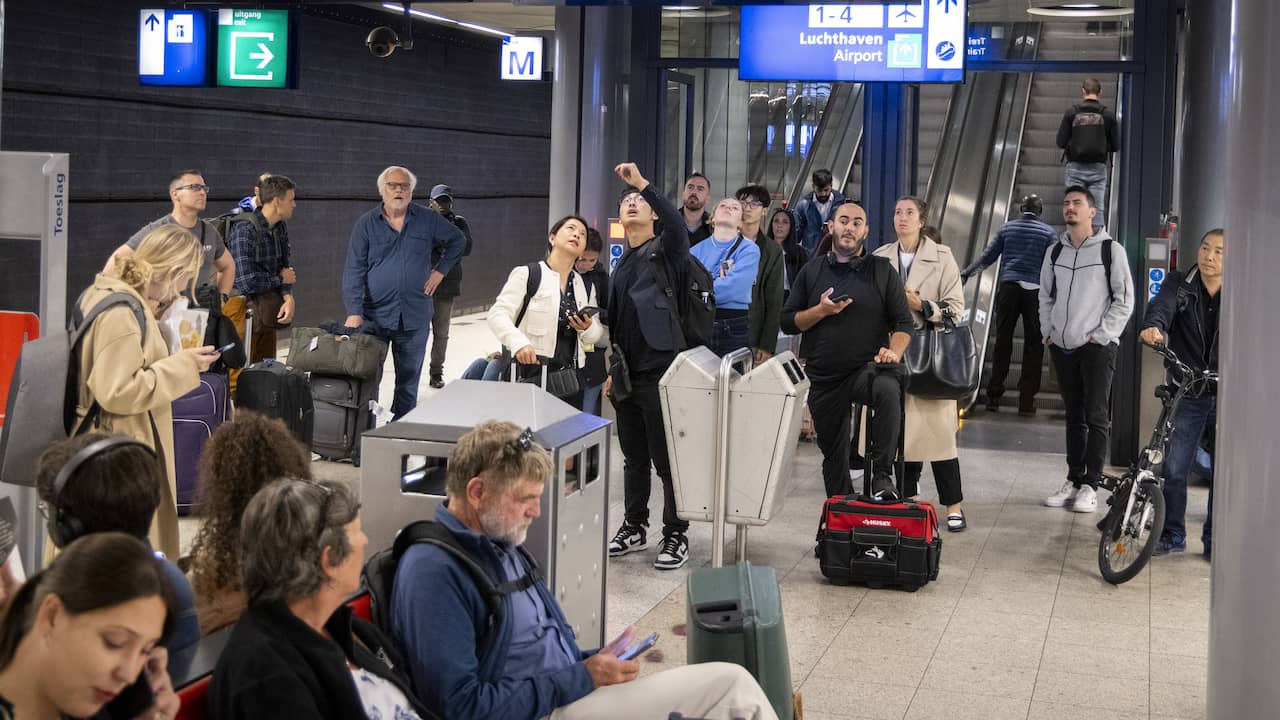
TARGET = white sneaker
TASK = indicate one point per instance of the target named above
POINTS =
(1086, 500)
(1064, 497)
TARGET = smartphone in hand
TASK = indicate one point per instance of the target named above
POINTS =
(588, 312)
(225, 348)
(639, 648)
(839, 298)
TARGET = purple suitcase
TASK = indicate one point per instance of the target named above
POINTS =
(195, 416)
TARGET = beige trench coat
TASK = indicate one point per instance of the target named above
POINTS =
(931, 424)
(131, 382)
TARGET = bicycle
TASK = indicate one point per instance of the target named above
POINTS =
(1133, 525)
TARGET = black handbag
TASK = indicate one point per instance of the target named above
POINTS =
(942, 360)
(562, 381)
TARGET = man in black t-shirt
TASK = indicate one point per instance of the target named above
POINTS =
(867, 323)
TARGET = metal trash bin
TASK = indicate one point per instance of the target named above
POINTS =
(765, 413)
(403, 471)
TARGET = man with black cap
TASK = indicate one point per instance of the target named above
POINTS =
(1022, 243)
(450, 287)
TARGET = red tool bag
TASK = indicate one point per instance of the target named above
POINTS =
(878, 543)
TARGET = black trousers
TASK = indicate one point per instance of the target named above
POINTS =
(831, 405)
(1084, 378)
(1014, 302)
(946, 475)
(643, 439)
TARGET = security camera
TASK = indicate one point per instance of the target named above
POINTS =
(382, 41)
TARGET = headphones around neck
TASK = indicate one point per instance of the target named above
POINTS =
(64, 526)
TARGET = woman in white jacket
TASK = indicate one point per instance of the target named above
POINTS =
(551, 323)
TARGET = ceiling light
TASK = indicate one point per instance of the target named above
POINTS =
(447, 21)
(1080, 10)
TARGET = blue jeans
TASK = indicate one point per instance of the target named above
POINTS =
(591, 396)
(483, 369)
(730, 334)
(1193, 416)
(408, 350)
(1094, 177)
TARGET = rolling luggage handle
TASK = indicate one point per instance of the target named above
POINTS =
(719, 490)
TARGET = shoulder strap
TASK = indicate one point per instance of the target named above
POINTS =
(79, 325)
(530, 289)
(433, 533)
(1106, 266)
(734, 248)
(1054, 254)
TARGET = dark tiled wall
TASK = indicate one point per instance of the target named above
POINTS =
(70, 85)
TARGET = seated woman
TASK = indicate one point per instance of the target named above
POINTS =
(298, 652)
(83, 638)
(96, 483)
(241, 458)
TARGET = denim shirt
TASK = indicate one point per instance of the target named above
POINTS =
(386, 270)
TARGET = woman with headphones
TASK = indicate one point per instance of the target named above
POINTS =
(97, 483)
(128, 379)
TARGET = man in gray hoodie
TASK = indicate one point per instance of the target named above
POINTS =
(1086, 297)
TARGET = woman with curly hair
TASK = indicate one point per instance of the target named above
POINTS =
(241, 458)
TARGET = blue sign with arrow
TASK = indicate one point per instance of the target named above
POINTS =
(173, 47)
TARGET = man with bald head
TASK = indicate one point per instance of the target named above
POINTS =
(852, 310)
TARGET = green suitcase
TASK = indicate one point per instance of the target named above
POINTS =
(735, 615)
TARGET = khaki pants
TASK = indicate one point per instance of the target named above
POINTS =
(261, 345)
(716, 691)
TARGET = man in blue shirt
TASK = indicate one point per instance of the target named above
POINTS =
(732, 261)
(1022, 243)
(815, 210)
(389, 277)
(468, 663)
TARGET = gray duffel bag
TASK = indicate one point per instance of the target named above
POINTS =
(358, 355)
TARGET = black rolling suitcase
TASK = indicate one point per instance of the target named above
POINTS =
(876, 543)
(276, 390)
(342, 415)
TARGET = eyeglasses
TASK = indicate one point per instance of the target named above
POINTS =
(194, 188)
(751, 203)
(397, 186)
(524, 441)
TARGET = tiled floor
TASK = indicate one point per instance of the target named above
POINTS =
(1018, 625)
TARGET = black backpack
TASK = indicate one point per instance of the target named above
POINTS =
(379, 576)
(1106, 267)
(1088, 141)
(223, 223)
(694, 305)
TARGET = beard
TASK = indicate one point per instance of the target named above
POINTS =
(492, 523)
(693, 204)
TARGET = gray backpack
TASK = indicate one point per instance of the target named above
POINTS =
(44, 391)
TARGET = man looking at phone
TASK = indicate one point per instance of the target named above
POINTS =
(853, 312)
(528, 664)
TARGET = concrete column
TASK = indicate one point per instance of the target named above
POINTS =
(589, 114)
(1244, 637)
(1204, 116)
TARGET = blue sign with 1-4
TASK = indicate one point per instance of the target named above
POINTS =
(173, 47)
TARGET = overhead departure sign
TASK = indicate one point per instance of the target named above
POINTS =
(172, 47)
(921, 42)
(522, 58)
(253, 48)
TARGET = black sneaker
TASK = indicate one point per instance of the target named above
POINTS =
(882, 489)
(1169, 544)
(673, 553)
(437, 381)
(628, 539)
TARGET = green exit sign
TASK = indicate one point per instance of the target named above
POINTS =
(253, 48)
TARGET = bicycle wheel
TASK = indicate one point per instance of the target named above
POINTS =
(1129, 539)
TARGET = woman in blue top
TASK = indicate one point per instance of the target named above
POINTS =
(732, 262)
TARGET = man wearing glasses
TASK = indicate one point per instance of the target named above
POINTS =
(766, 292)
(189, 195)
(389, 277)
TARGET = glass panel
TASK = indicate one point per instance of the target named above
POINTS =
(423, 475)
(675, 126)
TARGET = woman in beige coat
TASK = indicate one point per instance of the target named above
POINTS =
(932, 280)
(134, 385)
